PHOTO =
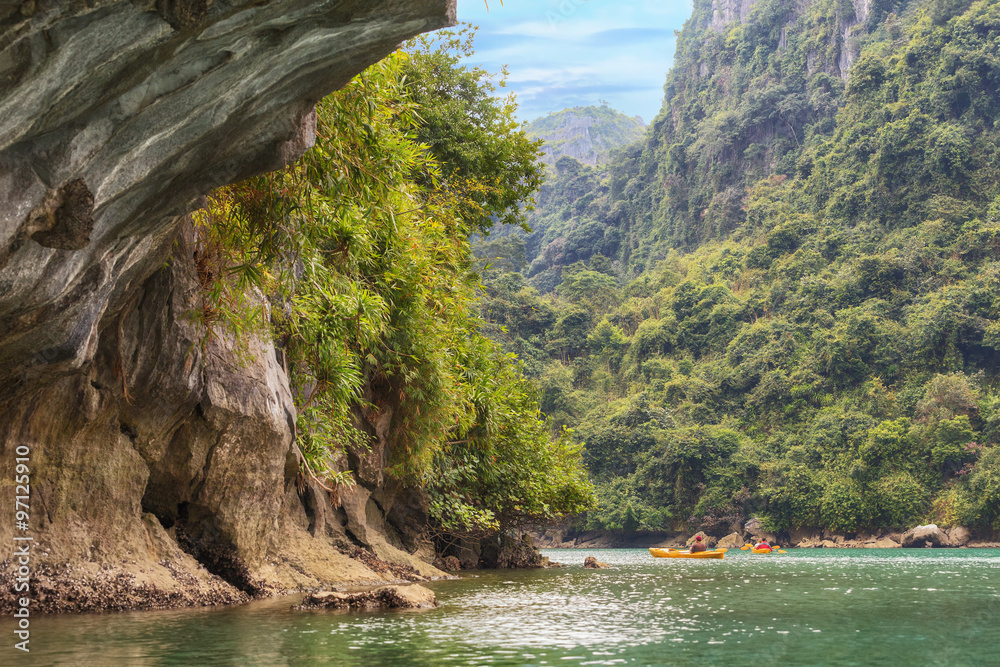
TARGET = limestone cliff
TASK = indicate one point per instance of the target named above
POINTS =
(840, 47)
(752, 81)
(162, 471)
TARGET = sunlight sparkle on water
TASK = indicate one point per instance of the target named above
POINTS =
(822, 607)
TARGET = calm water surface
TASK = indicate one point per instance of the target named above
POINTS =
(806, 607)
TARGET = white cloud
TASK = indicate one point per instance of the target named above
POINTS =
(570, 52)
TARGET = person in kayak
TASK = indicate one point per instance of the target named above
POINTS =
(763, 544)
(698, 545)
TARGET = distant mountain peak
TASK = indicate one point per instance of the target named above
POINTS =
(588, 134)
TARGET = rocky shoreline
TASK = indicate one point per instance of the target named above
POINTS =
(927, 536)
(134, 586)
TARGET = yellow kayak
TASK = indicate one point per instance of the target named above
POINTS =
(674, 553)
(771, 549)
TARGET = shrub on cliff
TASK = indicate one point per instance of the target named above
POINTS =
(364, 245)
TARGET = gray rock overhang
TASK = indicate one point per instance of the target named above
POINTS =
(117, 117)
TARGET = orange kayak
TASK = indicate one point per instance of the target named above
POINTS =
(674, 553)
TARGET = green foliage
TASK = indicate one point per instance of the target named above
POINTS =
(364, 244)
(979, 498)
(888, 446)
(808, 261)
(509, 473)
(948, 439)
(488, 164)
(598, 292)
(846, 506)
(901, 500)
(622, 508)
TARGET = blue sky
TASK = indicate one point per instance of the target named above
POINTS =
(564, 53)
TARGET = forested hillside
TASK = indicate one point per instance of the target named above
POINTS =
(588, 134)
(784, 302)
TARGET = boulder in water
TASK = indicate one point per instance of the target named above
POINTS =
(387, 597)
(731, 541)
(925, 536)
(959, 536)
(592, 563)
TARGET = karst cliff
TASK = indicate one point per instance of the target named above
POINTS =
(162, 464)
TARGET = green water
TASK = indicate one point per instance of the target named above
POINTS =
(807, 607)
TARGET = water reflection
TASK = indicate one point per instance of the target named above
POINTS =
(835, 607)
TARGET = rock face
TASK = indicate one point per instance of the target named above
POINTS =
(507, 552)
(387, 597)
(165, 475)
(726, 12)
(504, 552)
(162, 469)
(925, 536)
(551, 538)
(731, 541)
(721, 15)
(881, 543)
(116, 116)
(959, 536)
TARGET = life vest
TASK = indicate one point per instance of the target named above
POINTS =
(761, 547)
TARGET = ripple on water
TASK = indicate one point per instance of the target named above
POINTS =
(836, 607)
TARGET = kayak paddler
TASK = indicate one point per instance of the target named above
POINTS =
(763, 544)
(698, 545)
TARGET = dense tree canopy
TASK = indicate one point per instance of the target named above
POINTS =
(488, 164)
(786, 304)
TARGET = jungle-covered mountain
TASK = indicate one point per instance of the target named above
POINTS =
(783, 302)
(587, 134)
